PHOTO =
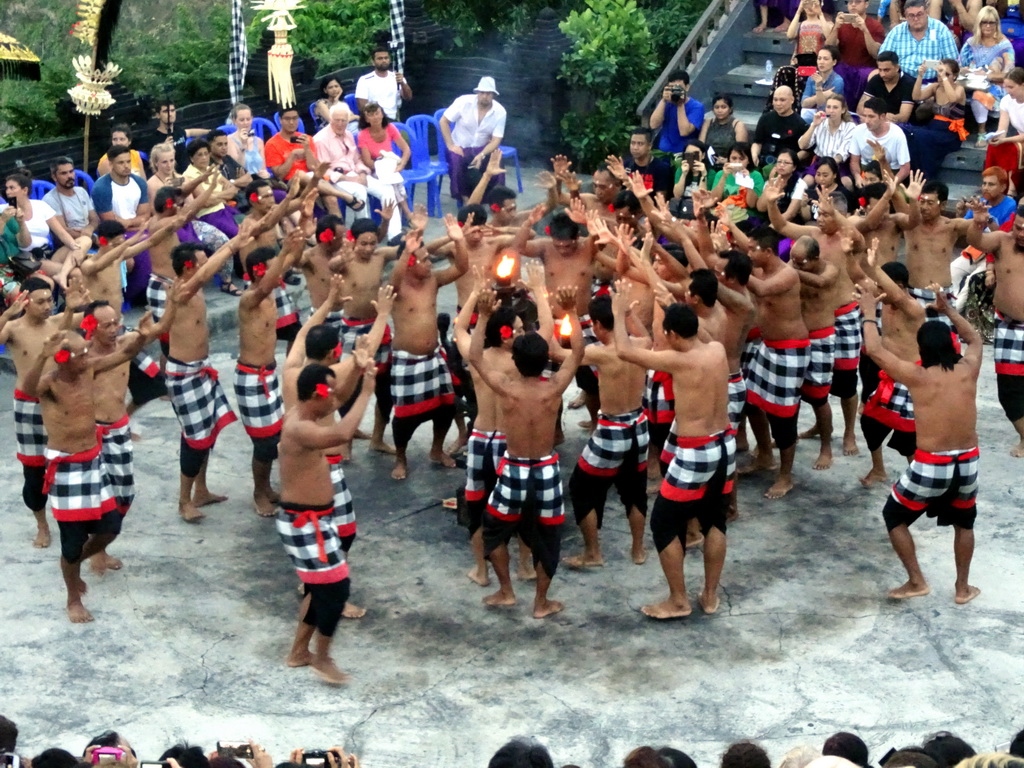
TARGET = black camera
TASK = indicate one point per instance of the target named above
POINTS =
(677, 92)
(315, 758)
(241, 749)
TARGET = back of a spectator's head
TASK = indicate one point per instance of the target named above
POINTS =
(1017, 744)
(8, 735)
(994, 760)
(519, 753)
(643, 757)
(745, 754)
(947, 750)
(844, 744)
(187, 756)
(105, 739)
(910, 757)
(676, 758)
(54, 758)
(227, 762)
(800, 757)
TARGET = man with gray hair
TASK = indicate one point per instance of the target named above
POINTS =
(918, 39)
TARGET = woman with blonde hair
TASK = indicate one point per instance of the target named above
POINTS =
(988, 49)
(244, 146)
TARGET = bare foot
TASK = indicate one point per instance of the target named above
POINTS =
(78, 614)
(101, 562)
(964, 597)
(782, 27)
(653, 486)
(850, 446)
(547, 608)
(360, 435)
(263, 505)
(455, 447)
(381, 447)
(708, 605)
(807, 434)
(400, 472)
(526, 572)
(353, 611)
(299, 660)
(667, 610)
(759, 464)
(1018, 450)
(500, 598)
(580, 562)
(759, 29)
(733, 513)
(477, 576)
(909, 590)
(779, 488)
(328, 672)
(639, 556)
(873, 477)
(206, 498)
(742, 442)
(274, 496)
(189, 513)
(587, 425)
(824, 458)
(136, 437)
(443, 459)
(42, 539)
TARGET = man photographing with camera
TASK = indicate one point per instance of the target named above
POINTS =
(677, 116)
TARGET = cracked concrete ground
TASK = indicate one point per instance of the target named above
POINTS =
(190, 637)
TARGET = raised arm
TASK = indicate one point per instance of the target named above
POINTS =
(460, 254)
(522, 242)
(565, 299)
(771, 194)
(988, 242)
(967, 332)
(34, 385)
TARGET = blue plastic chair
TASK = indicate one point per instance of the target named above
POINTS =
(277, 122)
(263, 128)
(228, 128)
(39, 189)
(419, 172)
(510, 153)
(83, 179)
(438, 113)
(419, 131)
(353, 103)
(312, 111)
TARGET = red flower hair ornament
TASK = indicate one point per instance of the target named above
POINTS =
(62, 356)
(547, 231)
(495, 207)
(327, 236)
(169, 204)
(506, 332)
(189, 264)
(103, 240)
(259, 270)
(322, 390)
(89, 326)
(350, 237)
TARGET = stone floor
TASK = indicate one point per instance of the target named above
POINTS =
(190, 637)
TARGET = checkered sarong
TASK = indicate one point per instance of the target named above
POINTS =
(612, 440)
(287, 312)
(528, 481)
(818, 377)
(77, 486)
(29, 432)
(156, 295)
(420, 384)
(344, 512)
(849, 337)
(198, 401)
(695, 462)
(311, 539)
(925, 297)
(737, 398)
(942, 484)
(1008, 346)
(775, 376)
(891, 405)
(352, 329)
(659, 398)
(483, 454)
(117, 457)
(750, 347)
(258, 391)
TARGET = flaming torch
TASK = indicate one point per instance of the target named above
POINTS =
(506, 266)
(565, 331)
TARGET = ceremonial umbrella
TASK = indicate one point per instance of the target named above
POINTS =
(16, 61)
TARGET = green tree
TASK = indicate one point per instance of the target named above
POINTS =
(339, 33)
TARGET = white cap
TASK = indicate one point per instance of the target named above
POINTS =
(486, 85)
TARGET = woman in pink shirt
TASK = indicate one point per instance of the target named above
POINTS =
(377, 141)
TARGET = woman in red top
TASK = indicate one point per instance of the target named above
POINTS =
(377, 140)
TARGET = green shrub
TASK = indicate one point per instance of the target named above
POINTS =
(670, 23)
(338, 33)
(610, 65)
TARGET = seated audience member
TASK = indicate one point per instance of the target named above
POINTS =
(220, 156)
(891, 85)
(988, 49)
(1004, 149)
(994, 760)
(217, 214)
(675, 758)
(244, 146)
(799, 757)
(71, 202)
(656, 171)
(337, 146)
(472, 128)
(778, 128)
(54, 758)
(188, 756)
(943, 133)
(377, 141)
(330, 95)
(739, 184)
(825, 181)
(875, 128)
(643, 757)
(918, 39)
(794, 187)
(121, 136)
(167, 130)
(745, 754)
(678, 117)
(822, 84)
(122, 196)
(41, 221)
(947, 749)
(692, 174)
(13, 233)
(858, 37)
(722, 129)
(8, 735)
(809, 28)
(829, 134)
(772, 12)
(847, 745)
(521, 753)
(910, 757)
(161, 162)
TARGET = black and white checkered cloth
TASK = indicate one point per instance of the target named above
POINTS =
(659, 399)
(198, 401)
(849, 337)
(1007, 346)
(287, 312)
(528, 481)
(352, 329)
(397, 8)
(258, 391)
(311, 539)
(775, 375)
(238, 59)
(750, 347)
(77, 486)
(737, 398)
(29, 432)
(156, 295)
(818, 376)
(891, 405)
(344, 512)
(484, 451)
(612, 440)
(942, 484)
(118, 461)
(695, 462)
(420, 384)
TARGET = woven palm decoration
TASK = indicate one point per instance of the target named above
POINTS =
(16, 61)
(280, 55)
(95, 27)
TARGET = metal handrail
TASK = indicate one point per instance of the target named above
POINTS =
(714, 15)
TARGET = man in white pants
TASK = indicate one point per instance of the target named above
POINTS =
(335, 145)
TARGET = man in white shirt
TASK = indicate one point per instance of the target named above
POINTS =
(382, 86)
(71, 202)
(472, 127)
(122, 196)
(874, 131)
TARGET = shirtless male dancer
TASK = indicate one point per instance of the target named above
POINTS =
(1007, 272)
(942, 480)
(421, 385)
(699, 477)
(527, 499)
(306, 520)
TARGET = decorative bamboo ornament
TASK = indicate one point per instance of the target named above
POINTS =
(16, 61)
(280, 55)
(90, 95)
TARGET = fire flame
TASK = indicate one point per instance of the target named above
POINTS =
(505, 267)
(565, 328)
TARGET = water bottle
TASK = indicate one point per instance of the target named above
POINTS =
(768, 69)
